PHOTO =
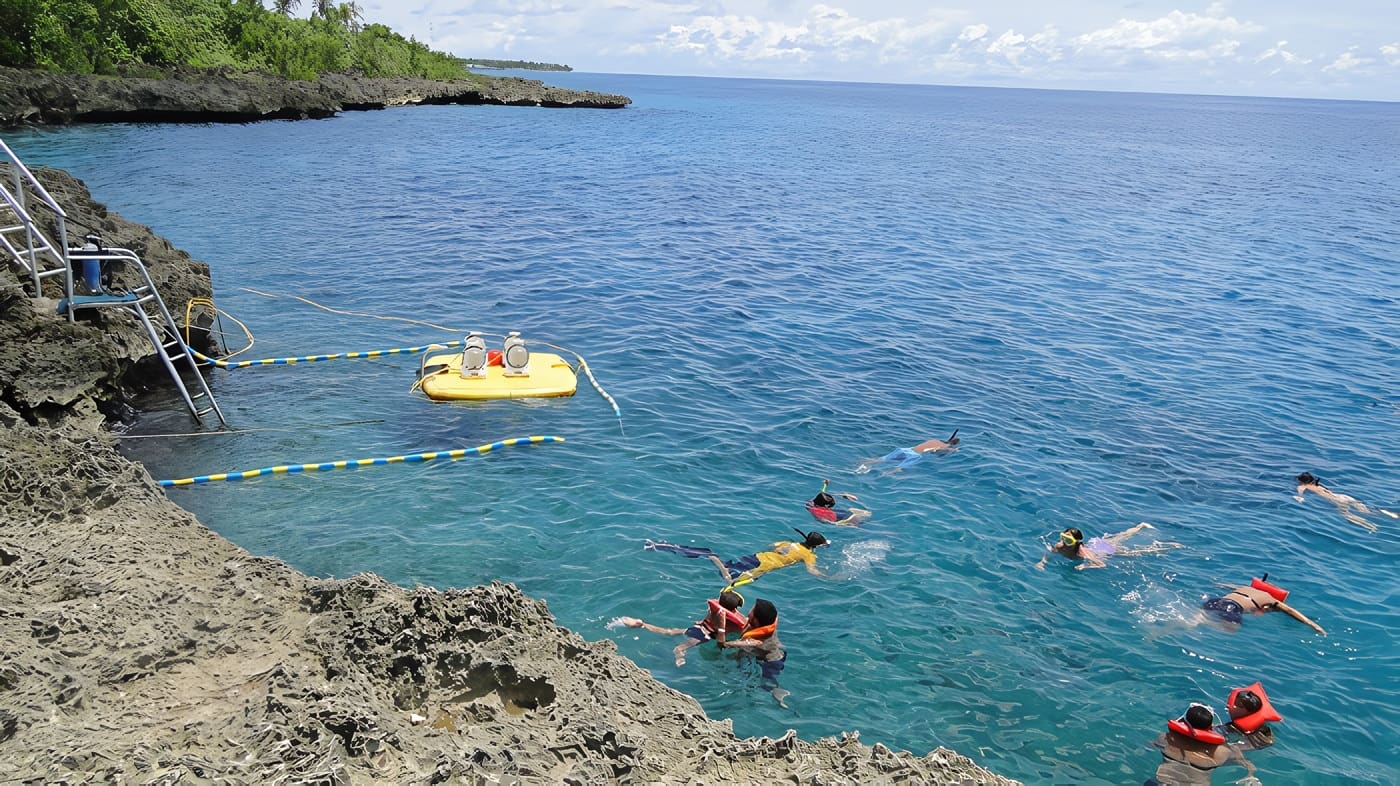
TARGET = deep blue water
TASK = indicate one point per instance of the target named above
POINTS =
(1135, 307)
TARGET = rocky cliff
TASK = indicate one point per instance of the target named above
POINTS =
(142, 647)
(226, 96)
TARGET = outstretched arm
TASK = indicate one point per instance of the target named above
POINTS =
(1091, 560)
(653, 628)
(1298, 615)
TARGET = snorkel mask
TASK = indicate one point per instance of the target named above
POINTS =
(1068, 539)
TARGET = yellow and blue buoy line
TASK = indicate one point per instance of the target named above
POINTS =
(286, 469)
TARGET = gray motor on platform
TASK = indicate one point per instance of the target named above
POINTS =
(474, 356)
(514, 356)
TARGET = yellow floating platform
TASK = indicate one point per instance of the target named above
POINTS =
(550, 376)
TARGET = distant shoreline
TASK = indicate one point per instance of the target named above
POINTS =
(187, 95)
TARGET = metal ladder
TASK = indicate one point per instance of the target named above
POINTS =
(40, 258)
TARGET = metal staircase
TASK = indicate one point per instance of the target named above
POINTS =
(94, 288)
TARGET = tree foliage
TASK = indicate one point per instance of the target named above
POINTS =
(105, 36)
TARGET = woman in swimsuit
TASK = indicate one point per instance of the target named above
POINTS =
(1231, 606)
(1094, 551)
(1350, 507)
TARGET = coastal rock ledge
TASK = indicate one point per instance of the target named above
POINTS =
(226, 96)
(142, 647)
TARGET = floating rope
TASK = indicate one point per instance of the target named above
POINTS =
(310, 302)
(315, 358)
(367, 462)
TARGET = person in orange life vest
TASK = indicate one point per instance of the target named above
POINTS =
(1259, 597)
(760, 639)
(823, 508)
(1250, 713)
(723, 615)
(1191, 748)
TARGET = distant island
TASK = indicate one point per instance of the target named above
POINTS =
(528, 65)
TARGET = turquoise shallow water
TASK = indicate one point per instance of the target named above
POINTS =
(1134, 307)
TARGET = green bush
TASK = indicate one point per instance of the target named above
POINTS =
(129, 36)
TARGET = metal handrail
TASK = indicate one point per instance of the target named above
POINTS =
(32, 249)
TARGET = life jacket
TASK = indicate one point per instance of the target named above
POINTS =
(1208, 736)
(761, 632)
(1251, 723)
(733, 620)
(821, 514)
(1277, 593)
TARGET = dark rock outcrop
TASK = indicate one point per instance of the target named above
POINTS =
(226, 96)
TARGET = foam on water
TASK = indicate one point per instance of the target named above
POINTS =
(1134, 307)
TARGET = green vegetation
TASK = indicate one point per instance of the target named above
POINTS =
(528, 65)
(112, 36)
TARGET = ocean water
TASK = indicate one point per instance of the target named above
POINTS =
(1134, 308)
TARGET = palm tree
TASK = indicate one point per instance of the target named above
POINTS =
(353, 15)
(323, 8)
(285, 7)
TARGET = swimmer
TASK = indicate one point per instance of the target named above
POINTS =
(760, 639)
(908, 457)
(1191, 748)
(1094, 551)
(1250, 713)
(751, 566)
(723, 615)
(1350, 507)
(823, 508)
(1260, 597)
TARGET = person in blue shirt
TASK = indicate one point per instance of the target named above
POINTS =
(904, 458)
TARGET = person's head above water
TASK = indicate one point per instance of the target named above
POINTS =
(1199, 716)
(824, 500)
(1071, 537)
(812, 539)
(763, 613)
(1246, 702)
(731, 600)
(1308, 479)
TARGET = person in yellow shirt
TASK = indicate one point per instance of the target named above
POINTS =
(751, 566)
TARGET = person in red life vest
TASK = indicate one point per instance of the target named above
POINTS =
(723, 616)
(1250, 714)
(1191, 748)
(1259, 597)
(823, 508)
(1351, 508)
(760, 639)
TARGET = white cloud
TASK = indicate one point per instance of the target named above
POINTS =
(1278, 52)
(1391, 53)
(1176, 36)
(973, 33)
(1348, 61)
(825, 31)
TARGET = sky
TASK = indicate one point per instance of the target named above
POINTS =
(1343, 49)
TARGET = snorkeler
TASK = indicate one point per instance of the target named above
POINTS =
(823, 508)
(1260, 597)
(723, 615)
(751, 566)
(1350, 507)
(1094, 551)
(1191, 748)
(1250, 714)
(760, 639)
(908, 457)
